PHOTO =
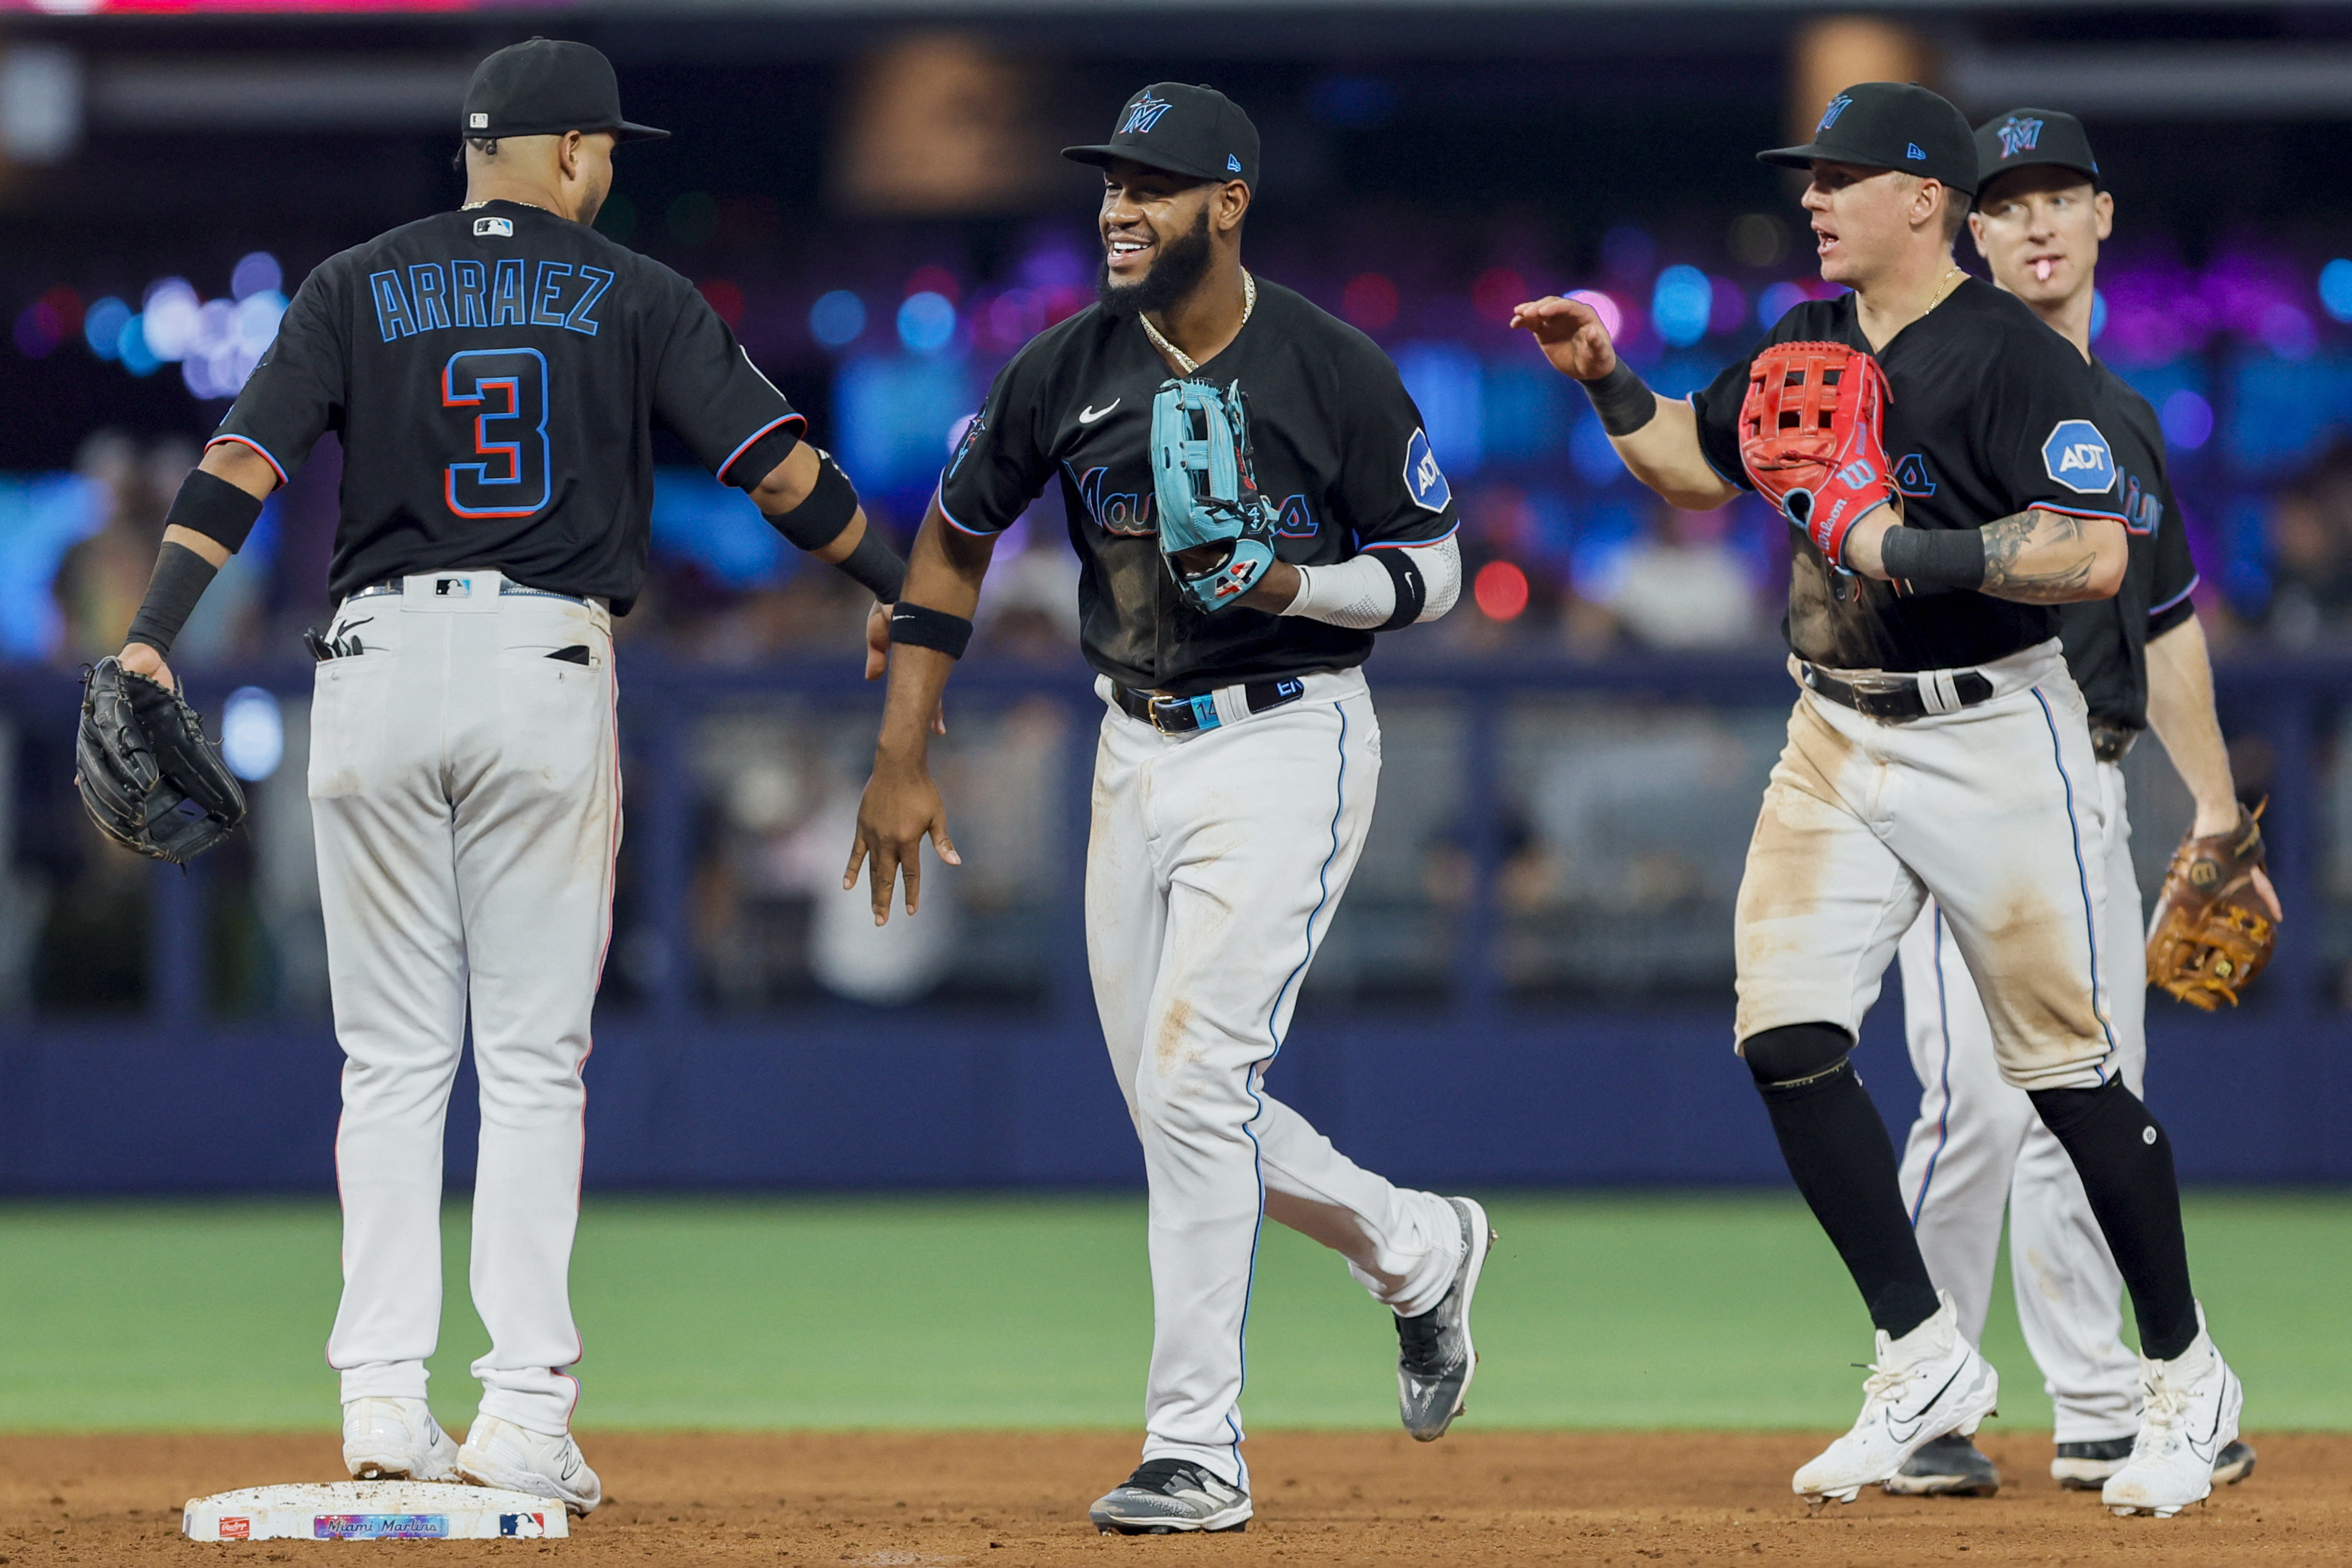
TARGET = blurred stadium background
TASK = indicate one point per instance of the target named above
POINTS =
(867, 190)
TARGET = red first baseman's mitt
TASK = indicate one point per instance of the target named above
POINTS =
(1809, 436)
(2212, 932)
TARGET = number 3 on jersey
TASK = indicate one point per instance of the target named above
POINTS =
(506, 388)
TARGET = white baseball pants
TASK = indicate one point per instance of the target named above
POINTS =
(1995, 811)
(1216, 861)
(1978, 1146)
(466, 795)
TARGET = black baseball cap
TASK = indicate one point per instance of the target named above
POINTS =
(544, 87)
(1890, 125)
(2025, 136)
(1185, 130)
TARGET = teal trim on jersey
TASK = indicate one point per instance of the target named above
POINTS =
(1667, 1309)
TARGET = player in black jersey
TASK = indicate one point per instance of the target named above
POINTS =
(494, 374)
(1977, 1147)
(1253, 498)
(1938, 748)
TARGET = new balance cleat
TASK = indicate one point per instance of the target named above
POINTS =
(396, 1440)
(517, 1459)
(1951, 1466)
(1170, 1497)
(2188, 1418)
(1435, 1360)
(1923, 1386)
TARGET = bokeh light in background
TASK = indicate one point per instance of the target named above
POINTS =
(837, 319)
(1680, 305)
(253, 734)
(1612, 314)
(1500, 590)
(1368, 301)
(927, 322)
(2187, 419)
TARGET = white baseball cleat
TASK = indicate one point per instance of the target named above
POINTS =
(396, 1440)
(1924, 1385)
(517, 1459)
(2188, 1415)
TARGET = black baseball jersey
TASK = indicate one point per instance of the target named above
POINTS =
(1338, 446)
(1989, 413)
(494, 374)
(2107, 639)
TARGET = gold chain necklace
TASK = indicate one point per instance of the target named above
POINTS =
(1184, 362)
(1953, 279)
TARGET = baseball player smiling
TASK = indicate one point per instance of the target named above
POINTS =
(1938, 749)
(1253, 500)
(2139, 657)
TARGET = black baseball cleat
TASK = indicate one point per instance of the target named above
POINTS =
(1166, 1496)
(1951, 1466)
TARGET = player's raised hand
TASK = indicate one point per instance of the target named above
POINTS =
(902, 807)
(1570, 334)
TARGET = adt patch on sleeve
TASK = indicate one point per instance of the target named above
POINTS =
(1422, 477)
(2077, 457)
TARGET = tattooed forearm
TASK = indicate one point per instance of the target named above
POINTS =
(2049, 558)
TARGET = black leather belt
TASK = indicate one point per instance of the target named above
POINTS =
(2110, 741)
(1185, 715)
(1898, 699)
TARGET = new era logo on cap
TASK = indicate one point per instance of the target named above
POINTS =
(1911, 151)
(1232, 164)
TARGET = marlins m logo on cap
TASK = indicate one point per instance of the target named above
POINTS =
(1829, 115)
(1142, 115)
(2018, 136)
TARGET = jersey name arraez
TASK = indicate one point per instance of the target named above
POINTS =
(506, 367)
(1990, 413)
(1338, 453)
(435, 296)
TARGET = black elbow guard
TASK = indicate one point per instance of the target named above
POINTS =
(1412, 588)
(876, 566)
(824, 513)
(210, 505)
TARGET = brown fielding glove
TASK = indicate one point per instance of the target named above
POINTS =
(1809, 438)
(2211, 933)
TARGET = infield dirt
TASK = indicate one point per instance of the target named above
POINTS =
(999, 1499)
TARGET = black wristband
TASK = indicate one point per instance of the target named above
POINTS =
(1623, 399)
(875, 564)
(824, 513)
(181, 578)
(1412, 588)
(916, 627)
(210, 505)
(1933, 557)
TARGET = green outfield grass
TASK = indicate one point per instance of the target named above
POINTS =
(1703, 1311)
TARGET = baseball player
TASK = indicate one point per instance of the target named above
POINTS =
(1938, 748)
(2139, 658)
(1253, 498)
(494, 374)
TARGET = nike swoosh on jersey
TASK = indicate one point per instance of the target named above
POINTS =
(1089, 413)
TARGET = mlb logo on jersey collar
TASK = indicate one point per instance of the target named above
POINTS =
(2076, 456)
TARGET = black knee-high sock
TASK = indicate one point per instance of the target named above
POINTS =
(2125, 1163)
(1844, 1162)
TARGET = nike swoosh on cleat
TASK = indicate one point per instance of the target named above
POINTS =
(1919, 1418)
(1089, 413)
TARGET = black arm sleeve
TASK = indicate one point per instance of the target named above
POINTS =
(181, 578)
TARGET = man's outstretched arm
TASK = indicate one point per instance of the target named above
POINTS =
(901, 804)
(1656, 438)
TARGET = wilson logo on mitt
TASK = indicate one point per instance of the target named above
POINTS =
(1810, 437)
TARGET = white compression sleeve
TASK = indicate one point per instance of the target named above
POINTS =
(1359, 592)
